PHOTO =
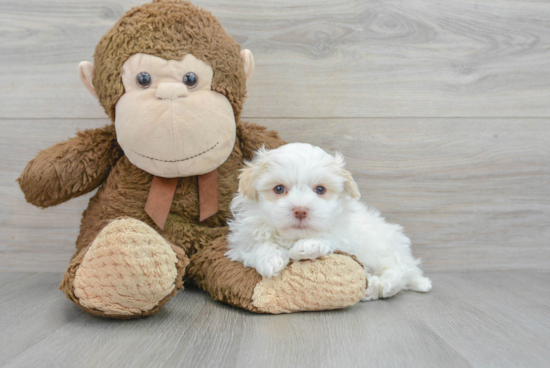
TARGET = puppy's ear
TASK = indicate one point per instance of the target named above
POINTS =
(246, 182)
(350, 186)
(250, 173)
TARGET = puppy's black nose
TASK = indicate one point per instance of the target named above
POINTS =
(300, 213)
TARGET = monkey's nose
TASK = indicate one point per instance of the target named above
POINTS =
(300, 213)
(171, 91)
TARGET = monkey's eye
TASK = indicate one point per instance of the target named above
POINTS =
(190, 80)
(279, 189)
(320, 190)
(144, 80)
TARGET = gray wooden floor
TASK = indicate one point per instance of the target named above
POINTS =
(497, 319)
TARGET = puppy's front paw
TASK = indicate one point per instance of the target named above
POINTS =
(309, 249)
(391, 282)
(271, 264)
(388, 288)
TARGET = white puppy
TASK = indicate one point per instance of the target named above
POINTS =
(298, 202)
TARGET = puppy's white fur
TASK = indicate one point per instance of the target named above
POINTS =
(266, 234)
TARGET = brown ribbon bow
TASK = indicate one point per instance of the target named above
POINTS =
(162, 193)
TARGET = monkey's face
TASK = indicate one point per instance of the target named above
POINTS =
(173, 82)
(169, 121)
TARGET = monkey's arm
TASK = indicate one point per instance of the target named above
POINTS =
(71, 168)
(331, 282)
(253, 136)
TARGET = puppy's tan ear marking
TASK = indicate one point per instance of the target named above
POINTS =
(246, 183)
(350, 186)
(251, 172)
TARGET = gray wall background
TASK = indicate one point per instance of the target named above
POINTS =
(442, 109)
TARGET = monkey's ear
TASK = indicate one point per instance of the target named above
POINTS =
(248, 61)
(86, 74)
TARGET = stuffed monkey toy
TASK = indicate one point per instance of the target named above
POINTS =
(173, 84)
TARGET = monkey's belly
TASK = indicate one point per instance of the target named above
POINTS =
(125, 193)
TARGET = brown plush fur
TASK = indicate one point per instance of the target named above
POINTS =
(124, 193)
(167, 29)
(228, 282)
(70, 168)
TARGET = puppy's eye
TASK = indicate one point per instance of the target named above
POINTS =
(144, 80)
(320, 190)
(280, 189)
(190, 80)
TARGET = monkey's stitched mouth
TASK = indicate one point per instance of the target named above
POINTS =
(183, 159)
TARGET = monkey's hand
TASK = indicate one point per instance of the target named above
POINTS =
(71, 168)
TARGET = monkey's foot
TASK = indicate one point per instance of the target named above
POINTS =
(330, 282)
(129, 271)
